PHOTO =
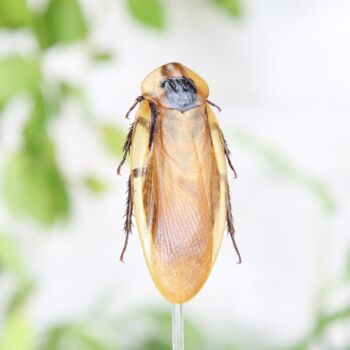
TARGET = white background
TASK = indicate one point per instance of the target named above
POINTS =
(280, 74)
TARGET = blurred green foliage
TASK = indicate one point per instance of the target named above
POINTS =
(18, 75)
(14, 13)
(33, 183)
(102, 56)
(148, 12)
(94, 184)
(158, 333)
(322, 323)
(16, 332)
(10, 259)
(280, 161)
(232, 7)
(34, 186)
(113, 139)
(62, 22)
(152, 13)
(75, 336)
(347, 268)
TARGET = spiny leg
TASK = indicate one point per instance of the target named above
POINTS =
(228, 156)
(127, 144)
(227, 151)
(128, 218)
(154, 116)
(126, 147)
(230, 226)
(129, 202)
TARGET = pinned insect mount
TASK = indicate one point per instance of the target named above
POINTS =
(178, 187)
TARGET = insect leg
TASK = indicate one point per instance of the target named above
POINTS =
(128, 218)
(126, 147)
(127, 144)
(154, 112)
(138, 100)
(228, 156)
(214, 105)
(230, 226)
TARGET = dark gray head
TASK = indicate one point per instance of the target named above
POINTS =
(181, 93)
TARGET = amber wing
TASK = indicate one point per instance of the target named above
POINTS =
(182, 194)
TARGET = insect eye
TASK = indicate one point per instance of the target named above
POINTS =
(185, 87)
(173, 84)
(180, 92)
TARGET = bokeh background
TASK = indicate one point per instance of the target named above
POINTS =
(69, 70)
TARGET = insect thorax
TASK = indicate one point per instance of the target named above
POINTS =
(181, 92)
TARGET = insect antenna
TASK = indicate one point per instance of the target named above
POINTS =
(128, 218)
(214, 105)
(138, 100)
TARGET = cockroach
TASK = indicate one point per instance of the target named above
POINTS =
(178, 186)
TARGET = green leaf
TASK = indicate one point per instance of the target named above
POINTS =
(113, 138)
(20, 297)
(63, 22)
(95, 184)
(323, 322)
(320, 191)
(34, 186)
(232, 7)
(194, 338)
(69, 90)
(10, 259)
(148, 12)
(17, 334)
(33, 183)
(326, 320)
(17, 75)
(72, 336)
(35, 135)
(102, 56)
(14, 13)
